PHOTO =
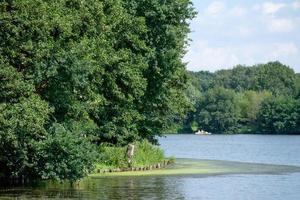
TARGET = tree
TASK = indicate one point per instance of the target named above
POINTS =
(250, 103)
(273, 76)
(298, 85)
(280, 115)
(277, 78)
(113, 65)
(167, 25)
(218, 111)
(65, 155)
(110, 70)
(240, 78)
(252, 85)
(23, 116)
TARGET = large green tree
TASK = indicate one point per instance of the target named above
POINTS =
(167, 27)
(86, 58)
(106, 70)
(112, 66)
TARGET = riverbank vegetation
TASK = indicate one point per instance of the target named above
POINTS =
(76, 74)
(112, 157)
(263, 99)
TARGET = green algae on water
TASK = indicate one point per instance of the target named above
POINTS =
(208, 167)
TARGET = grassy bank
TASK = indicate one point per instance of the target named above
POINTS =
(145, 154)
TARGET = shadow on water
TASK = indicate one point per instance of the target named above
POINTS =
(99, 188)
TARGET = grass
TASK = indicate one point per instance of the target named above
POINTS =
(145, 154)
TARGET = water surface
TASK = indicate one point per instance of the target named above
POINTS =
(269, 149)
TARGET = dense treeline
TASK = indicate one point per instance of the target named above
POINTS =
(259, 99)
(78, 73)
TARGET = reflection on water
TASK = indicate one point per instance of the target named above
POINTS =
(264, 187)
(102, 188)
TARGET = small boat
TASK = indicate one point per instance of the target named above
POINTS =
(201, 132)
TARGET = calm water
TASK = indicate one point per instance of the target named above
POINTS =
(269, 149)
(284, 150)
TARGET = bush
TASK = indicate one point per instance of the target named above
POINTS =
(112, 157)
(23, 117)
(146, 154)
(280, 115)
(115, 157)
(65, 155)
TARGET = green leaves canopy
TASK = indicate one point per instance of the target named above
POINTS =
(218, 111)
(280, 115)
(108, 70)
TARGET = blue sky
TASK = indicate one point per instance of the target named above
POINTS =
(230, 32)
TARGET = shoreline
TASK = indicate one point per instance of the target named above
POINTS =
(154, 166)
(195, 167)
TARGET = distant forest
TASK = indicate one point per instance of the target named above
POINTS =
(260, 99)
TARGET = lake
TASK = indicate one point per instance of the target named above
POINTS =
(267, 149)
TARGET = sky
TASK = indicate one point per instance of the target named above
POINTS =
(226, 33)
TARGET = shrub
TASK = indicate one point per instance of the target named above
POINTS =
(65, 155)
(112, 157)
(115, 157)
(146, 154)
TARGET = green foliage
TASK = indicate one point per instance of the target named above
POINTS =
(280, 115)
(167, 29)
(113, 64)
(298, 85)
(273, 76)
(246, 110)
(112, 157)
(250, 103)
(218, 111)
(23, 116)
(145, 153)
(27, 148)
(202, 80)
(65, 155)
(105, 69)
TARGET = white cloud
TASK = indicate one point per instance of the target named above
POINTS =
(215, 8)
(284, 49)
(245, 31)
(295, 5)
(269, 8)
(238, 11)
(280, 25)
(256, 7)
(225, 35)
(204, 57)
